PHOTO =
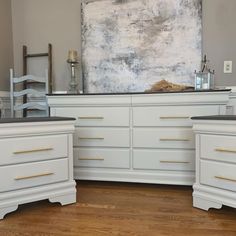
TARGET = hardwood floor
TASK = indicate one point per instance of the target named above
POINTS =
(121, 209)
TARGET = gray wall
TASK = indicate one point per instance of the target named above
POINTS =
(219, 37)
(6, 51)
(60, 25)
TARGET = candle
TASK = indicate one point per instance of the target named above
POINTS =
(72, 56)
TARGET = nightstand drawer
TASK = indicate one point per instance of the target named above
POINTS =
(219, 175)
(97, 116)
(29, 149)
(33, 174)
(102, 137)
(170, 115)
(163, 138)
(164, 160)
(218, 147)
(103, 158)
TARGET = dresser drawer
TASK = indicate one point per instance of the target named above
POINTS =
(102, 137)
(28, 149)
(218, 147)
(164, 160)
(97, 116)
(219, 175)
(170, 115)
(163, 138)
(33, 174)
(103, 158)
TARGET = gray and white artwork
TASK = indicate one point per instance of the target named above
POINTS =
(128, 45)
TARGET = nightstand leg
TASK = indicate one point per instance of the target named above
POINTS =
(205, 204)
(64, 199)
(5, 210)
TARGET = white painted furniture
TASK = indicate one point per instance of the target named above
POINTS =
(36, 161)
(136, 137)
(215, 162)
(32, 93)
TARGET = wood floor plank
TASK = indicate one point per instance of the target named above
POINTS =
(105, 208)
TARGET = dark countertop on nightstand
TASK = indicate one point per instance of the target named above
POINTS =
(216, 117)
(34, 119)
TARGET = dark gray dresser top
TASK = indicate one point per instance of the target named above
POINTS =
(140, 93)
(35, 119)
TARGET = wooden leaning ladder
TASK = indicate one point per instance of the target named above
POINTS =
(25, 70)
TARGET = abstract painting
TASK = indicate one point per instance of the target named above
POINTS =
(128, 45)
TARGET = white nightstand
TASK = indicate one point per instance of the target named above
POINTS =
(36, 161)
(215, 162)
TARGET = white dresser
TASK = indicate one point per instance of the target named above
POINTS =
(36, 161)
(215, 162)
(136, 137)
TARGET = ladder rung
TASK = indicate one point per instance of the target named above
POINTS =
(34, 82)
(37, 55)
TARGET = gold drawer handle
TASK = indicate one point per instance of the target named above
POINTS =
(173, 117)
(174, 139)
(227, 179)
(90, 117)
(33, 150)
(91, 159)
(91, 138)
(33, 176)
(175, 162)
(225, 150)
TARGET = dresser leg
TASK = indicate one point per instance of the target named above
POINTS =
(5, 210)
(205, 204)
(64, 199)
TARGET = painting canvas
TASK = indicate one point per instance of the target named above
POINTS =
(128, 45)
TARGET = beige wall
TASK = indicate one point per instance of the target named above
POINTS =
(219, 37)
(39, 22)
(6, 52)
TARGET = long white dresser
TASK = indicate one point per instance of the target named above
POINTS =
(144, 138)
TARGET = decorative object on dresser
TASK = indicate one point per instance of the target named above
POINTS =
(136, 137)
(215, 162)
(129, 45)
(204, 79)
(73, 62)
(36, 161)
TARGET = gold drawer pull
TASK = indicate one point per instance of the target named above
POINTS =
(227, 179)
(173, 117)
(33, 150)
(33, 176)
(90, 117)
(91, 159)
(225, 150)
(174, 139)
(91, 138)
(175, 162)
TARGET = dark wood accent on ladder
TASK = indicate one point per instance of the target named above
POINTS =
(25, 69)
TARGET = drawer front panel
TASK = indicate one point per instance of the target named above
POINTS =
(102, 137)
(102, 158)
(33, 174)
(219, 148)
(163, 138)
(28, 149)
(170, 115)
(97, 116)
(164, 160)
(217, 174)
